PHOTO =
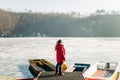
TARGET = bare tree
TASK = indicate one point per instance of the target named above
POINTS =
(6, 23)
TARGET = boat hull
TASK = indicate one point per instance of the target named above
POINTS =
(78, 67)
(40, 65)
(102, 71)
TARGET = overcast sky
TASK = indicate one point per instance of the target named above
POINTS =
(82, 6)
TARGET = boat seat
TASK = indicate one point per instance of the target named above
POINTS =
(101, 66)
(110, 66)
(49, 65)
(35, 67)
(106, 66)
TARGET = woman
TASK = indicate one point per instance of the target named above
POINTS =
(60, 57)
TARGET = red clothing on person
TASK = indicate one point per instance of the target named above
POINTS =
(60, 53)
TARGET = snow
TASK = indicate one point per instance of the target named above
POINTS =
(15, 52)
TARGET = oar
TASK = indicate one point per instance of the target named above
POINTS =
(36, 78)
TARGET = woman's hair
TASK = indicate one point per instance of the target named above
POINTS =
(58, 42)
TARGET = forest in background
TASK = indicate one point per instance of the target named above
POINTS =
(40, 24)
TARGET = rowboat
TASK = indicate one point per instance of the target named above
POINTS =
(40, 65)
(80, 67)
(102, 71)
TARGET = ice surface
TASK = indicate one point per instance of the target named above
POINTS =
(15, 52)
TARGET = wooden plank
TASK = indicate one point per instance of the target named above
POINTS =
(67, 76)
(49, 65)
(35, 67)
(2, 77)
(26, 79)
(70, 69)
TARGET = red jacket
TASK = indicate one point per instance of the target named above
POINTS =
(60, 53)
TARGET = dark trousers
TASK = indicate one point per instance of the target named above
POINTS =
(58, 67)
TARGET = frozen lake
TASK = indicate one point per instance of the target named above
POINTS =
(15, 52)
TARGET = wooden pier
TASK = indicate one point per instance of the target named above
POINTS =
(2, 77)
(67, 76)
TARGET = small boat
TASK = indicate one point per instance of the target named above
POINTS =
(102, 71)
(81, 67)
(40, 65)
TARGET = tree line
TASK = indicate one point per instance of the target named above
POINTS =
(31, 24)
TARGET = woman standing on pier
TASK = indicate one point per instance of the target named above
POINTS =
(60, 57)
